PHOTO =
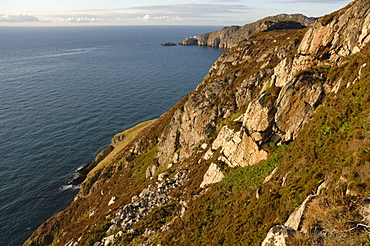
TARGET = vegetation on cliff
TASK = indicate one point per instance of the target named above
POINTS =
(272, 146)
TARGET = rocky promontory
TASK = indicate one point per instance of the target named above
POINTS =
(167, 44)
(227, 37)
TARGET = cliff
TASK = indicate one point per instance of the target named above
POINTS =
(227, 37)
(272, 147)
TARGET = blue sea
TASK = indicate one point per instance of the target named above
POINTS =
(66, 91)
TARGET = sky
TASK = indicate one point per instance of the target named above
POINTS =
(155, 12)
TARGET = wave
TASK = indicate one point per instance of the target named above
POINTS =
(69, 187)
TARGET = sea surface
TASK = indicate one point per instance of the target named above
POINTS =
(66, 91)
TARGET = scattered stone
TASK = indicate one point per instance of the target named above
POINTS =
(271, 175)
(258, 193)
(155, 195)
(162, 176)
(150, 171)
(112, 200)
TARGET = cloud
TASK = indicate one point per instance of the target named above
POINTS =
(160, 18)
(177, 13)
(144, 18)
(18, 18)
(190, 9)
(76, 20)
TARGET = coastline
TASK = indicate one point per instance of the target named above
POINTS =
(118, 143)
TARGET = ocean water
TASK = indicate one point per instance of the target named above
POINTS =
(66, 91)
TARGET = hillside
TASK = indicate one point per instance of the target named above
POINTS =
(272, 148)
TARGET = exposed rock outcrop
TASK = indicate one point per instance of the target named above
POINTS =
(213, 175)
(325, 38)
(279, 236)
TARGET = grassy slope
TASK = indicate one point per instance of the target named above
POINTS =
(334, 146)
(129, 135)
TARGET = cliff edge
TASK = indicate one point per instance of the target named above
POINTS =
(271, 148)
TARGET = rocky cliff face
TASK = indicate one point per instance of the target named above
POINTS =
(214, 159)
(227, 37)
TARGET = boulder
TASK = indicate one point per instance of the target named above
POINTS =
(213, 175)
(364, 210)
(238, 149)
(279, 236)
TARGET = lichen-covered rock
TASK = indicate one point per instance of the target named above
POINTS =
(260, 113)
(364, 210)
(295, 218)
(187, 129)
(213, 175)
(295, 106)
(238, 149)
(325, 38)
(279, 236)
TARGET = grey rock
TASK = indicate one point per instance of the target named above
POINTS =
(213, 175)
(364, 210)
(325, 38)
(295, 218)
(279, 236)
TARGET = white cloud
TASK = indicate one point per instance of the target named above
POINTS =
(76, 20)
(144, 18)
(160, 18)
(18, 18)
(169, 18)
(190, 9)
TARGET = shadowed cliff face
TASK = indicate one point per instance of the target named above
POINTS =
(170, 180)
